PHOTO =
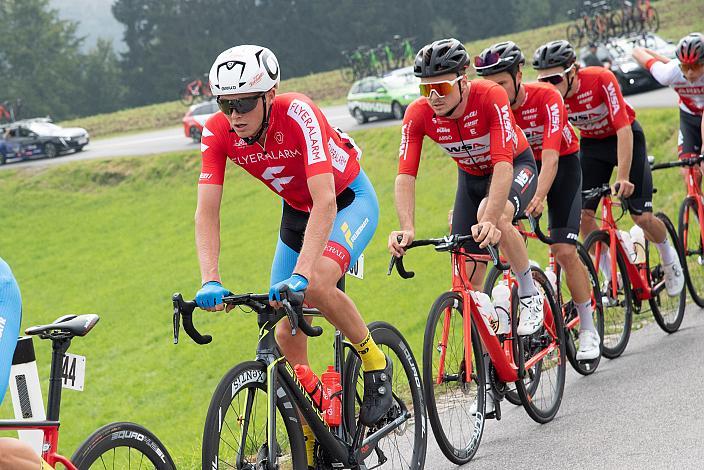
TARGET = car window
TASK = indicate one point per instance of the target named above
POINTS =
(356, 88)
(368, 86)
(24, 132)
(202, 109)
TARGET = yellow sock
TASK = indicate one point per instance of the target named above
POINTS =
(372, 357)
(309, 437)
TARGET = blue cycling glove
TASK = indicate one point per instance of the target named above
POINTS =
(295, 283)
(211, 294)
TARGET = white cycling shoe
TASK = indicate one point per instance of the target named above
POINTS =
(489, 406)
(674, 278)
(589, 342)
(530, 317)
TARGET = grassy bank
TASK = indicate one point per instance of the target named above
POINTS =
(115, 237)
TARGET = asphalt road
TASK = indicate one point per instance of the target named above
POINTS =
(172, 139)
(643, 410)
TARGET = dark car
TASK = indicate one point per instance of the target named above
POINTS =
(617, 56)
(42, 137)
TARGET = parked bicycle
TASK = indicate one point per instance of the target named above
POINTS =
(376, 61)
(115, 445)
(635, 274)
(690, 230)
(456, 371)
(194, 91)
(253, 422)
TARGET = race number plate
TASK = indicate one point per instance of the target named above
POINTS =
(73, 373)
(357, 269)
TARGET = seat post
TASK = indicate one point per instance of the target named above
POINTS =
(59, 347)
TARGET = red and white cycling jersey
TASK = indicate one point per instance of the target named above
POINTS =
(691, 93)
(300, 143)
(598, 109)
(484, 135)
(543, 119)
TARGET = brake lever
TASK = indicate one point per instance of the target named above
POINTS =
(292, 317)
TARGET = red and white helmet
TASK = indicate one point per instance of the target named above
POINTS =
(244, 69)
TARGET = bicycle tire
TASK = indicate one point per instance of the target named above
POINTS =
(531, 399)
(392, 341)
(695, 260)
(616, 24)
(569, 312)
(669, 324)
(574, 34)
(112, 440)
(614, 323)
(458, 453)
(511, 394)
(651, 19)
(248, 376)
(186, 97)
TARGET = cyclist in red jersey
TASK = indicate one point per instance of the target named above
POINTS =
(540, 112)
(330, 210)
(610, 137)
(472, 122)
(686, 76)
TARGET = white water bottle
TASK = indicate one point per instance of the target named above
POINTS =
(502, 305)
(627, 245)
(26, 391)
(552, 277)
(638, 239)
(486, 308)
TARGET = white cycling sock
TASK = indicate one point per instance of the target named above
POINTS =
(605, 262)
(585, 310)
(668, 254)
(526, 285)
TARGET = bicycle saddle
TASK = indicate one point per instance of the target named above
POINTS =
(70, 325)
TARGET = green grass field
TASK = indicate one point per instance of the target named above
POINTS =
(115, 237)
(677, 18)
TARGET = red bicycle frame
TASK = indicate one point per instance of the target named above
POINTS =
(693, 191)
(51, 439)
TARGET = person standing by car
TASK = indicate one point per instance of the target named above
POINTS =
(329, 214)
(540, 112)
(610, 137)
(686, 76)
(591, 59)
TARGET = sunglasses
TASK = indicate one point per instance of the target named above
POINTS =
(557, 78)
(489, 60)
(693, 67)
(441, 89)
(239, 105)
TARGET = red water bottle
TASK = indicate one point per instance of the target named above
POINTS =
(312, 385)
(332, 387)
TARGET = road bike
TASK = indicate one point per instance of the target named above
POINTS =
(253, 423)
(456, 370)
(591, 23)
(563, 298)
(635, 281)
(194, 91)
(116, 445)
(690, 231)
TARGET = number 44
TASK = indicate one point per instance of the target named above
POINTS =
(73, 372)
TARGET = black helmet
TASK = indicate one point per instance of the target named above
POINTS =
(690, 49)
(554, 54)
(501, 57)
(440, 57)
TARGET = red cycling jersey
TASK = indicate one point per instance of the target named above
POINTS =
(543, 118)
(691, 93)
(598, 109)
(300, 143)
(484, 135)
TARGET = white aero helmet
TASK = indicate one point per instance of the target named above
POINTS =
(244, 69)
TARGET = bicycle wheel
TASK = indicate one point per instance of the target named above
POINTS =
(449, 392)
(122, 445)
(616, 24)
(186, 97)
(668, 311)
(403, 448)
(542, 396)
(574, 34)
(571, 317)
(235, 434)
(692, 243)
(652, 19)
(491, 280)
(618, 310)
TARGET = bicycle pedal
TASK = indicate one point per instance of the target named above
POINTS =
(496, 414)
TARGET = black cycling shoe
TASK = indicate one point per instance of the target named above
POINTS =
(377, 394)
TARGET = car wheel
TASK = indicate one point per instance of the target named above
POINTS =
(50, 150)
(397, 110)
(359, 116)
(79, 149)
(195, 134)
